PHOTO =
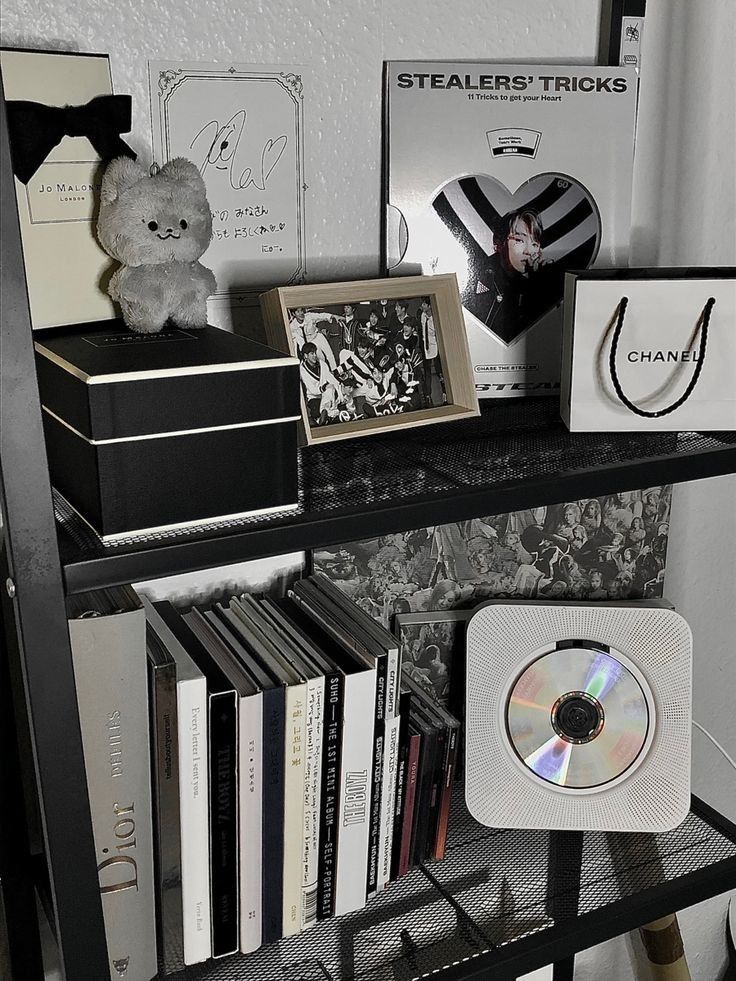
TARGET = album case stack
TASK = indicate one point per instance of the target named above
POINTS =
(294, 770)
(152, 431)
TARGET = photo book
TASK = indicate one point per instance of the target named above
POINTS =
(279, 766)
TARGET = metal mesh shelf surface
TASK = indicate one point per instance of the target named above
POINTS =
(493, 905)
(517, 454)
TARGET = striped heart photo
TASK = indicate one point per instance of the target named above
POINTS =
(511, 249)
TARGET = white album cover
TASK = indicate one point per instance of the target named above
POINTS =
(509, 176)
(243, 125)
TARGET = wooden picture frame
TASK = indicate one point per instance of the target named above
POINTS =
(454, 379)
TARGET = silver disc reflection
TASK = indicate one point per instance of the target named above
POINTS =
(577, 717)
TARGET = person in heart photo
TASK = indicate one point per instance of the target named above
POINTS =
(515, 247)
(518, 284)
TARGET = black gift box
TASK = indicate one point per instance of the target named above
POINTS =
(152, 431)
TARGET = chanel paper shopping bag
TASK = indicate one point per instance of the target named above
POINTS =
(649, 349)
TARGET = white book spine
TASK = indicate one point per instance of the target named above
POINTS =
(390, 753)
(312, 799)
(295, 740)
(388, 802)
(194, 818)
(250, 778)
(355, 791)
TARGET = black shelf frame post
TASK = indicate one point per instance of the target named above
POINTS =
(20, 942)
(564, 871)
(35, 589)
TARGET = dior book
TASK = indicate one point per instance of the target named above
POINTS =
(107, 629)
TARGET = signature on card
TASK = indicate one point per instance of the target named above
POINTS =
(224, 152)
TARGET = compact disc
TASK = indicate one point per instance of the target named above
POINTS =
(577, 716)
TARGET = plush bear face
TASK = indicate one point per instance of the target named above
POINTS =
(145, 220)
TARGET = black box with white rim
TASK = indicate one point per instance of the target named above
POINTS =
(148, 432)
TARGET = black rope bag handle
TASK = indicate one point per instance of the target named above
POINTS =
(704, 321)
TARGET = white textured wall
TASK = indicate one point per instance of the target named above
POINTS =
(343, 42)
(684, 213)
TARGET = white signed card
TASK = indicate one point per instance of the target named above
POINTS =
(243, 125)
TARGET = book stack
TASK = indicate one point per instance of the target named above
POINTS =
(295, 772)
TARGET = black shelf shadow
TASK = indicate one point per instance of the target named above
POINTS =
(497, 903)
(517, 454)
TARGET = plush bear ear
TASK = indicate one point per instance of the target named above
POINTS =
(183, 171)
(121, 174)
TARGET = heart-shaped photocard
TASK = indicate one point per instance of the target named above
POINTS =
(511, 249)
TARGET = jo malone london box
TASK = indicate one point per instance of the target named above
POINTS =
(152, 431)
(57, 177)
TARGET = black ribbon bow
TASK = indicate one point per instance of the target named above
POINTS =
(35, 129)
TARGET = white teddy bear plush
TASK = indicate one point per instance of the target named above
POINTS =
(157, 226)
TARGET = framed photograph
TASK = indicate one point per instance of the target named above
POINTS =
(621, 31)
(374, 354)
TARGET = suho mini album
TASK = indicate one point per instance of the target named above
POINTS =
(508, 176)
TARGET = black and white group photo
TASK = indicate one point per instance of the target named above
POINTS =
(367, 359)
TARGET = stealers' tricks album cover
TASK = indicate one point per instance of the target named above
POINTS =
(508, 176)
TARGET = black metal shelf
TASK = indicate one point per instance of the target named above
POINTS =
(497, 904)
(517, 454)
(489, 906)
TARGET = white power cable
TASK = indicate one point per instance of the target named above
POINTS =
(715, 743)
